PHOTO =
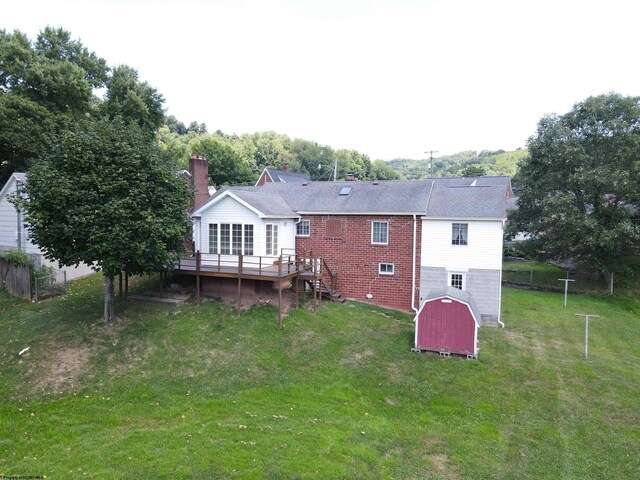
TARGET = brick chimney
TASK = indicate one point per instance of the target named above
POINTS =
(285, 167)
(199, 169)
(351, 177)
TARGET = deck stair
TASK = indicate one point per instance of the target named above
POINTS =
(316, 273)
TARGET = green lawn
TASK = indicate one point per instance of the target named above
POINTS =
(200, 393)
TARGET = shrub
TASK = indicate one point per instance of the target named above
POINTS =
(16, 257)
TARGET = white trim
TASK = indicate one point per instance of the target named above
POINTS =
(475, 330)
(393, 269)
(413, 267)
(379, 221)
(464, 279)
(223, 195)
(310, 212)
(466, 219)
(265, 170)
(299, 222)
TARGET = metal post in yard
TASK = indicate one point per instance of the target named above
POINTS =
(566, 287)
(586, 331)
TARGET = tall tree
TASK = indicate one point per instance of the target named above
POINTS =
(42, 87)
(578, 191)
(132, 100)
(103, 195)
(226, 167)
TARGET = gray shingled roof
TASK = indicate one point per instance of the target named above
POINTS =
(456, 294)
(364, 196)
(467, 202)
(435, 198)
(286, 177)
(272, 205)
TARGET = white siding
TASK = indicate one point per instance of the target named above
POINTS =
(483, 249)
(228, 210)
(8, 221)
(9, 224)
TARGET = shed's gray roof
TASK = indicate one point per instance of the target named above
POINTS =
(21, 176)
(435, 198)
(280, 176)
(455, 294)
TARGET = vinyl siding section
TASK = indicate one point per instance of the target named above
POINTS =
(229, 210)
(483, 250)
(9, 224)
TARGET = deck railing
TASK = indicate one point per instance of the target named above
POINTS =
(248, 264)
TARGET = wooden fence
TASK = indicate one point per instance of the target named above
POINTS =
(16, 279)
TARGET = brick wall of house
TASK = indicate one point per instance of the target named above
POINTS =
(344, 242)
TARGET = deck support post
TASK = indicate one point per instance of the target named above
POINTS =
(239, 284)
(280, 291)
(297, 280)
(198, 277)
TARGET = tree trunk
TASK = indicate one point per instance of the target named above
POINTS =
(109, 300)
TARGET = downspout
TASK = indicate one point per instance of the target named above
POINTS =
(500, 290)
(413, 267)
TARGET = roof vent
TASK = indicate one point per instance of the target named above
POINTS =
(304, 184)
(376, 182)
(345, 191)
(474, 183)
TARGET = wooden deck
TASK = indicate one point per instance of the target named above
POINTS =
(244, 267)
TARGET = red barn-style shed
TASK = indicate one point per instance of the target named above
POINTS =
(448, 322)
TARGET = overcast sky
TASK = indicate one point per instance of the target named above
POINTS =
(389, 78)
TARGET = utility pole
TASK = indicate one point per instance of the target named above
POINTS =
(430, 152)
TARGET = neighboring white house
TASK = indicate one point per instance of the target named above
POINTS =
(14, 234)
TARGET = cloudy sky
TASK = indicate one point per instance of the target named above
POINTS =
(389, 78)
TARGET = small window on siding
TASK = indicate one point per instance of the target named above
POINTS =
(380, 232)
(385, 269)
(459, 233)
(213, 238)
(456, 280)
(303, 228)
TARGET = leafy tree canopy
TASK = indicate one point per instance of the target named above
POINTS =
(225, 165)
(578, 191)
(103, 195)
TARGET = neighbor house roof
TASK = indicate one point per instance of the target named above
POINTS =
(433, 198)
(283, 176)
(17, 176)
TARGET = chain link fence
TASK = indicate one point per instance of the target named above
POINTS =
(49, 282)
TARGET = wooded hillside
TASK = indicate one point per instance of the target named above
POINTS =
(484, 163)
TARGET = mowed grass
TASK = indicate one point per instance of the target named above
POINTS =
(201, 393)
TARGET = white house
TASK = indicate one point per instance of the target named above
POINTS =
(388, 242)
(14, 234)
